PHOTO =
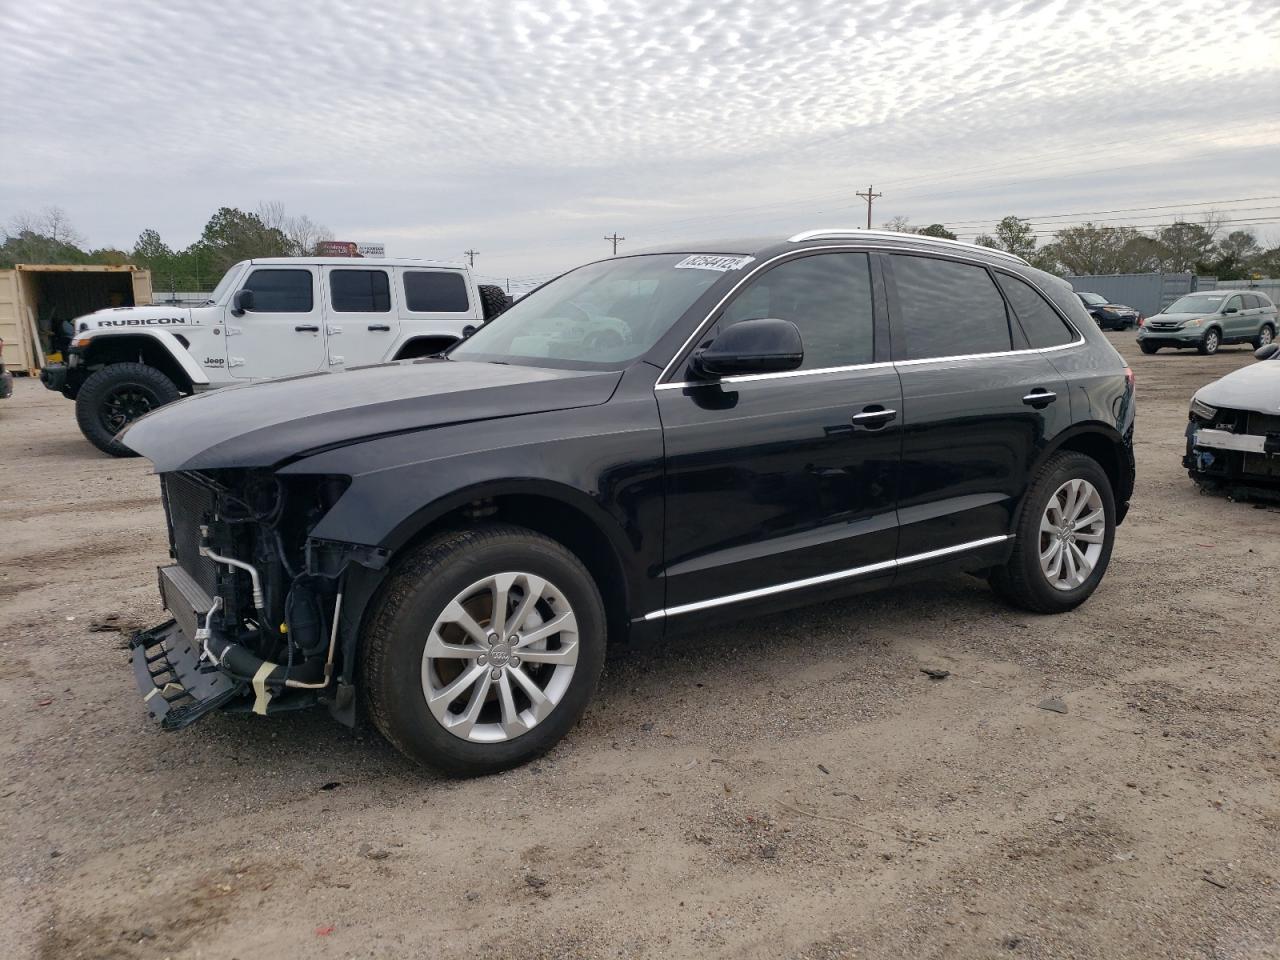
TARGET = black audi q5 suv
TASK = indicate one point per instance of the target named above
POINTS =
(645, 444)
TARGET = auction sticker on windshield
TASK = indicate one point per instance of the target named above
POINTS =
(707, 261)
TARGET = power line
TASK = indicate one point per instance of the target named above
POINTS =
(869, 196)
(1164, 206)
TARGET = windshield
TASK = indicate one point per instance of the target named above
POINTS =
(1196, 303)
(220, 290)
(1092, 299)
(605, 314)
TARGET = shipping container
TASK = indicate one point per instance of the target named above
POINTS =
(38, 300)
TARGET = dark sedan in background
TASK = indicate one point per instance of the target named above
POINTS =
(1108, 315)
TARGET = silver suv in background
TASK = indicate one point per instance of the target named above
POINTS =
(1208, 320)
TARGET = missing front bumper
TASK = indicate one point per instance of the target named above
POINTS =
(177, 689)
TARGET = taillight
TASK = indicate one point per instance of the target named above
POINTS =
(1129, 378)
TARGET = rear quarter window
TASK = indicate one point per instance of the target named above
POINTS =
(1040, 322)
(435, 291)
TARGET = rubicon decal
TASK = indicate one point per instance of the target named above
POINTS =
(142, 322)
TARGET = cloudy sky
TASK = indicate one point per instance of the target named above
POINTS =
(530, 130)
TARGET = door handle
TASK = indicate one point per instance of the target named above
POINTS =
(873, 418)
(307, 328)
(1039, 397)
(380, 326)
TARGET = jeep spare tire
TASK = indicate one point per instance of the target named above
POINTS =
(493, 300)
(114, 397)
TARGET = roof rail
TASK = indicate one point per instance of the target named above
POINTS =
(838, 233)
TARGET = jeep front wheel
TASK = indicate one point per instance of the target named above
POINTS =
(115, 396)
(483, 649)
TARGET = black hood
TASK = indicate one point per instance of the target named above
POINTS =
(261, 425)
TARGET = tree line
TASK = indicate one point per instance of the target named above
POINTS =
(230, 235)
(1203, 248)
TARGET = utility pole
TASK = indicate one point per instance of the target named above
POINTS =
(470, 255)
(615, 240)
(869, 196)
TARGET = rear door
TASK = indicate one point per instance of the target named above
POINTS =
(979, 404)
(775, 479)
(283, 335)
(361, 323)
(435, 304)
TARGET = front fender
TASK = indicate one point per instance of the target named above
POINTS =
(101, 342)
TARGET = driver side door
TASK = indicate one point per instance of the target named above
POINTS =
(776, 482)
(283, 335)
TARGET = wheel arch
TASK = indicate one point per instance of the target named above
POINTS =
(424, 346)
(566, 515)
(1100, 442)
(158, 349)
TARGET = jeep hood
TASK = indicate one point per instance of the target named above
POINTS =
(1255, 388)
(124, 318)
(263, 424)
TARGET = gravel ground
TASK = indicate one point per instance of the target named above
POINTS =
(794, 789)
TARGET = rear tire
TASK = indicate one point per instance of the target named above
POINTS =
(113, 397)
(1265, 336)
(415, 646)
(1149, 348)
(493, 300)
(1209, 345)
(1024, 581)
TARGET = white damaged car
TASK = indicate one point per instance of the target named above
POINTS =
(1233, 437)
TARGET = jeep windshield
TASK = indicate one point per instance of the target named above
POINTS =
(601, 316)
(220, 290)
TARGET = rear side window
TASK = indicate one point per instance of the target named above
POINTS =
(431, 291)
(281, 291)
(828, 296)
(1041, 324)
(360, 291)
(1251, 302)
(948, 309)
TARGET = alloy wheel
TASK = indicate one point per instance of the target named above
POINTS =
(1211, 342)
(1265, 337)
(125, 404)
(499, 657)
(1072, 530)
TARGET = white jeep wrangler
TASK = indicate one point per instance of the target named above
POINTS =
(276, 317)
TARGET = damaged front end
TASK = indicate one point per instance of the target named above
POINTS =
(1237, 451)
(256, 601)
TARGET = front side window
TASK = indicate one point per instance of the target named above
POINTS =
(1233, 304)
(360, 291)
(827, 296)
(948, 309)
(1040, 322)
(600, 316)
(281, 291)
(435, 291)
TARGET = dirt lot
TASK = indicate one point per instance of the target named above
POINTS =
(792, 788)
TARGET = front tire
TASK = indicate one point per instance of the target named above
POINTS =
(1063, 539)
(1149, 347)
(483, 650)
(115, 396)
(1264, 337)
(1209, 345)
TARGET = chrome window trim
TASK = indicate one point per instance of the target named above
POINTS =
(957, 257)
(823, 578)
(840, 233)
(777, 375)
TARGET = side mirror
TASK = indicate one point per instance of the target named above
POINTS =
(1230, 310)
(752, 346)
(1267, 352)
(242, 301)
